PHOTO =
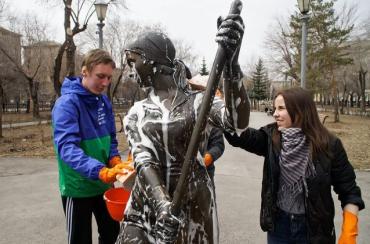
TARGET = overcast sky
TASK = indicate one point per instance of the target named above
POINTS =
(194, 20)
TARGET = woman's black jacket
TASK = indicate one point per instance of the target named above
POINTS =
(335, 171)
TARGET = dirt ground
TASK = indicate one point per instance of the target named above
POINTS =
(36, 141)
(354, 131)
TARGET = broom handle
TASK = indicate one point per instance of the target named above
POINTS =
(200, 124)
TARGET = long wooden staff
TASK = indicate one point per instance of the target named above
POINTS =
(213, 80)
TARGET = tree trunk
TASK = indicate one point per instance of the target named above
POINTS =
(35, 99)
(1, 109)
(34, 88)
(136, 96)
(336, 106)
(112, 88)
(344, 99)
(71, 50)
(57, 68)
(28, 109)
(348, 103)
(335, 97)
(362, 79)
(70, 45)
(351, 99)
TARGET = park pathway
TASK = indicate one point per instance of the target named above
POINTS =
(31, 210)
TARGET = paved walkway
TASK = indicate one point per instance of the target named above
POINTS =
(31, 210)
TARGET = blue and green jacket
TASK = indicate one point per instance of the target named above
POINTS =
(84, 139)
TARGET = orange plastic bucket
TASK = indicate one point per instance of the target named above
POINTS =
(116, 200)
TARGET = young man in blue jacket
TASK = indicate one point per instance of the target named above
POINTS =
(86, 148)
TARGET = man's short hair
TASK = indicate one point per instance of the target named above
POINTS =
(97, 56)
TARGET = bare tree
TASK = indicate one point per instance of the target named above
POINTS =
(327, 46)
(362, 82)
(132, 91)
(185, 52)
(346, 86)
(3, 67)
(3, 8)
(360, 51)
(4, 76)
(119, 34)
(34, 32)
(77, 14)
(281, 50)
(1, 109)
(366, 27)
(33, 84)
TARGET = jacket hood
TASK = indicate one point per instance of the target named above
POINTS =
(74, 85)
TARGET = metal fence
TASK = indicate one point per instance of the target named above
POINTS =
(15, 107)
(25, 107)
(48, 106)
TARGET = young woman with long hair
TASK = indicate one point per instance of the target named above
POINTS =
(303, 160)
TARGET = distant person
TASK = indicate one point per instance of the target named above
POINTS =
(213, 150)
(213, 146)
(86, 148)
(302, 162)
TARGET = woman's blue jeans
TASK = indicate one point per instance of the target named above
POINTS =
(289, 229)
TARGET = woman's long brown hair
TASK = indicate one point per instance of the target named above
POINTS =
(302, 110)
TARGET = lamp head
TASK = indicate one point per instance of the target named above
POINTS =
(304, 6)
(101, 9)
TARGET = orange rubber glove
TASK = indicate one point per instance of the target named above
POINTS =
(108, 175)
(208, 160)
(349, 228)
(124, 166)
(114, 161)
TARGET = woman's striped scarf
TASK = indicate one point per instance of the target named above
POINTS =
(295, 164)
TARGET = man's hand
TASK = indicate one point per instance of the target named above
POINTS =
(349, 228)
(115, 160)
(124, 167)
(208, 159)
(167, 225)
(108, 175)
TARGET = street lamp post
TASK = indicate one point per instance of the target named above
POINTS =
(101, 10)
(304, 8)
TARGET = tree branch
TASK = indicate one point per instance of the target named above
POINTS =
(88, 15)
(19, 68)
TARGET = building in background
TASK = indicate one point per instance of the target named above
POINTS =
(11, 79)
(39, 59)
(11, 42)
